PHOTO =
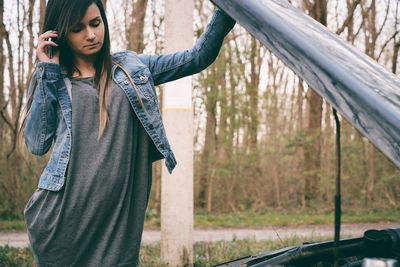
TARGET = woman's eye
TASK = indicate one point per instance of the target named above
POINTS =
(96, 24)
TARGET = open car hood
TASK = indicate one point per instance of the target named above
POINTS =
(366, 94)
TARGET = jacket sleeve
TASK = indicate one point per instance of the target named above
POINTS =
(165, 68)
(41, 123)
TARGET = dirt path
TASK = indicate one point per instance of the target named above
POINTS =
(20, 238)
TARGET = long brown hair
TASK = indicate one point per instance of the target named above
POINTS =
(60, 16)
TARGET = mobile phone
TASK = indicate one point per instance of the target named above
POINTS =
(50, 49)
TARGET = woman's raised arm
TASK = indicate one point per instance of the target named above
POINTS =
(165, 68)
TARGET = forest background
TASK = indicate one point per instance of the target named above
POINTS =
(263, 139)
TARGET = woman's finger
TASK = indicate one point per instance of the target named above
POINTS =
(49, 43)
(43, 39)
(46, 35)
(43, 46)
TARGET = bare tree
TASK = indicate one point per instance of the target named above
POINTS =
(371, 34)
(20, 64)
(396, 41)
(252, 90)
(2, 100)
(348, 22)
(42, 11)
(318, 10)
(134, 31)
(208, 154)
(157, 22)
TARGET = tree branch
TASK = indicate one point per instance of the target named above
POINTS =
(384, 21)
(349, 17)
(4, 116)
(386, 43)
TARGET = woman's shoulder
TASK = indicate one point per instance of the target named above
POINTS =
(128, 59)
(125, 56)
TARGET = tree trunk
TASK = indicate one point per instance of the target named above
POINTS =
(42, 12)
(135, 35)
(318, 11)
(2, 100)
(31, 44)
(231, 134)
(371, 36)
(210, 186)
(157, 166)
(313, 147)
(395, 56)
(396, 41)
(157, 178)
(208, 154)
(206, 157)
(300, 132)
(327, 175)
(252, 89)
(274, 116)
(222, 158)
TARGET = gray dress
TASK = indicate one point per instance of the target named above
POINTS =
(97, 218)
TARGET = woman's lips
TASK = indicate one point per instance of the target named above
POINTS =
(92, 45)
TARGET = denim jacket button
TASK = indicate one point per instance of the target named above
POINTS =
(162, 146)
(126, 82)
(142, 78)
(151, 126)
(41, 69)
(138, 105)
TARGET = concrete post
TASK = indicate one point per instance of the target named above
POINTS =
(177, 189)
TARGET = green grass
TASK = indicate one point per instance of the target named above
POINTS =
(205, 253)
(284, 218)
(274, 218)
(16, 257)
(12, 225)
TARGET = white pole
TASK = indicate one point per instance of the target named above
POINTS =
(177, 189)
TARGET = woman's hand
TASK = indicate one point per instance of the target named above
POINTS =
(43, 46)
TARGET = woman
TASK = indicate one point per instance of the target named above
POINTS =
(102, 113)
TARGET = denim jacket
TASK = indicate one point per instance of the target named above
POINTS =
(50, 117)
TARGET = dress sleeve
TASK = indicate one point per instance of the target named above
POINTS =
(41, 123)
(165, 68)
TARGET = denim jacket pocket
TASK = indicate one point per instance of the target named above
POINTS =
(141, 76)
(141, 80)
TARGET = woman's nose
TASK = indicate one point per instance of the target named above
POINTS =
(91, 35)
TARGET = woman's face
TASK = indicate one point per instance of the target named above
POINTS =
(86, 38)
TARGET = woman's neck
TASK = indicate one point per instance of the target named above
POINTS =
(85, 66)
